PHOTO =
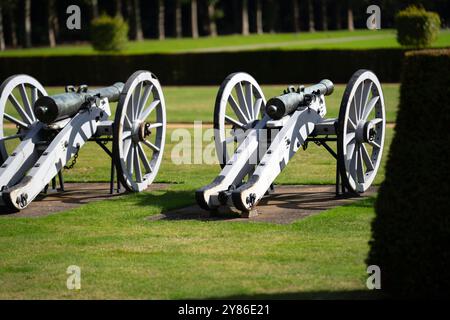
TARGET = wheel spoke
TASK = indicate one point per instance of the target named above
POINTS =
(151, 145)
(241, 99)
(353, 162)
(126, 148)
(130, 110)
(147, 91)
(145, 113)
(234, 122)
(16, 121)
(365, 96)
(366, 158)
(127, 121)
(350, 137)
(130, 160)
(14, 136)
(351, 148)
(143, 157)
(137, 166)
(26, 102)
(369, 107)
(126, 135)
(353, 115)
(352, 124)
(357, 100)
(237, 110)
(257, 108)
(362, 98)
(360, 167)
(136, 97)
(377, 121)
(155, 125)
(34, 95)
(375, 144)
(19, 109)
(249, 99)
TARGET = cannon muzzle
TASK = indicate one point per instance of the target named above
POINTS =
(49, 109)
(285, 104)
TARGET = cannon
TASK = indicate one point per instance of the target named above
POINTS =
(256, 139)
(40, 134)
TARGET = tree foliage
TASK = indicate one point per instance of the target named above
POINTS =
(109, 33)
(417, 27)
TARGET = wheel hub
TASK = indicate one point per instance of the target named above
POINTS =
(140, 131)
(144, 131)
(366, 131)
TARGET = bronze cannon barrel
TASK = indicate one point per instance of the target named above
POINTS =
(49, 109)
(285, 104)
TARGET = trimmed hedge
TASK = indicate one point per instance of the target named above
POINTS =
(417, 27)
(109, 33)
(411, 231)
(269, 67)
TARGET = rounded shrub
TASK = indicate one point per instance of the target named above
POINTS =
(417, 27)
(109, 33)
(411, 229)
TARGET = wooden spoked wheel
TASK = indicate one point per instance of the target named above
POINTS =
(17, 96)
(139, 131)
(362, 127)
(239, 105)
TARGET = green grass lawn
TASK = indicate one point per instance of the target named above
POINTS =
(358, 39)
(123, 255)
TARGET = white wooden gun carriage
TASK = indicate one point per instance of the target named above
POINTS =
(265, 136)
(39, 134)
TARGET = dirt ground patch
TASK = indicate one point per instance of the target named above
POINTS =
(286, 205)
(75, 195)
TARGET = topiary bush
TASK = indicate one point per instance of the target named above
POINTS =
(411, 231)
(417, 27)
(109, 33)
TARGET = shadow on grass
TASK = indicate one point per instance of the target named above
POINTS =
(58, 202)
(282, 208)
(311, 295)
(164, 199)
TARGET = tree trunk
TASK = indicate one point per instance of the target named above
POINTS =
(273, 13)
(212, 19)
(350, 24)
(259, 18)
(51, 16)
(338, 10)
(311, 23)
(2, 36)
(245, 26)
(12, 26)
(161, 20)
(324, 15)
(119, 8)
(194, 19)
(178, 19)
(94, 4)
(139, 35)
(295, 16)
(27, 23)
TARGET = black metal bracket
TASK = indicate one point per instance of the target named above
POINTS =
(340, 188)
(61, 182)
(100, 142)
